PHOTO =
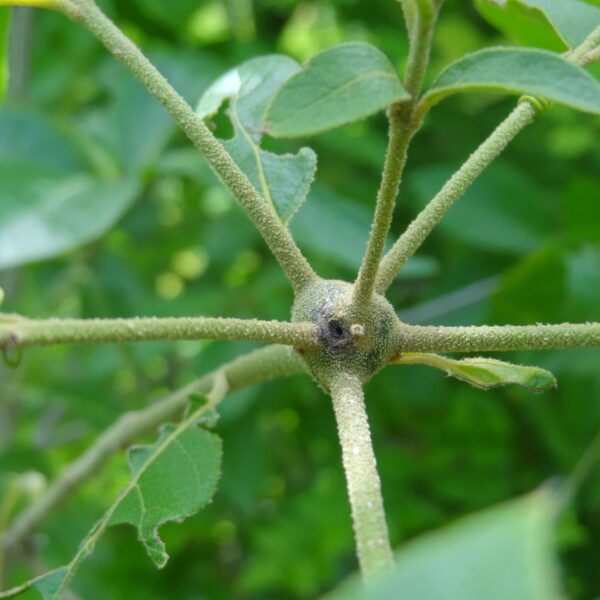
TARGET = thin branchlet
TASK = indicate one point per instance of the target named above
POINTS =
(17, 331)
(276, 235)
(247, 370)
(401, 130)
(417, 338)
(416, 233)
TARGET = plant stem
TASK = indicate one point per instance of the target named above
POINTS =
(395, 159)
(17, 331)
(401, 131)
(276, 235)
(364, 486)
(252, 368)
(591, 42)
(457, 185)
(416, 338)
(432, 214)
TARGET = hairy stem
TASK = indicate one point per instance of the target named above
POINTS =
(432, 214)
(416, 338)
(362, 478)
(252, 368)
(17, 331)
(395, 159)
(453, 190)
(276, 235)
(401, 131)
(589, 45)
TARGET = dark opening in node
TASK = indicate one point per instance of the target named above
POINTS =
(336, 330)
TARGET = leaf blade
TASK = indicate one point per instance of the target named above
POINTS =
(344, 83)
(570, 21)
(154, 469)
(159, 474)
(502, 552)
(518, 71)
(485, 373)
(282, 180)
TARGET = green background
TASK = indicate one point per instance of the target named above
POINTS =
(523, 246)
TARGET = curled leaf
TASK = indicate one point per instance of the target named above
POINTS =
(485, 373)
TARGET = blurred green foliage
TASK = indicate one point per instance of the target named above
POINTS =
(527, 233)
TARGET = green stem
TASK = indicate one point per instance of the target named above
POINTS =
(395, 159)
(276, 235)
(401, 130)
(364, 486)
(416, 233)
(416, 338)
(17, 331)
(247, 370)
(410, 241)
(421, 36)
(591, 42)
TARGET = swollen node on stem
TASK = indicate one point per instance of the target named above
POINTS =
(356, 341)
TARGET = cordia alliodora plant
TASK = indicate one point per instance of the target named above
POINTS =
(340, 333)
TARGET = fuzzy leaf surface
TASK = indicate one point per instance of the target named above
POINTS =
(5, 15)
(570, 21)
(171, 480)
(518, 71)
(486, 373)
(344, 83)
(282, 180)
(503, 552)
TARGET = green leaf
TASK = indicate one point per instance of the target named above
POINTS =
(49, 201)
(43, 215)
(485, 373)
(518, 71)
(5, 14)
(503, 552)
(283, 180)
(171, 480)
(568, 21)
(344, 83)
